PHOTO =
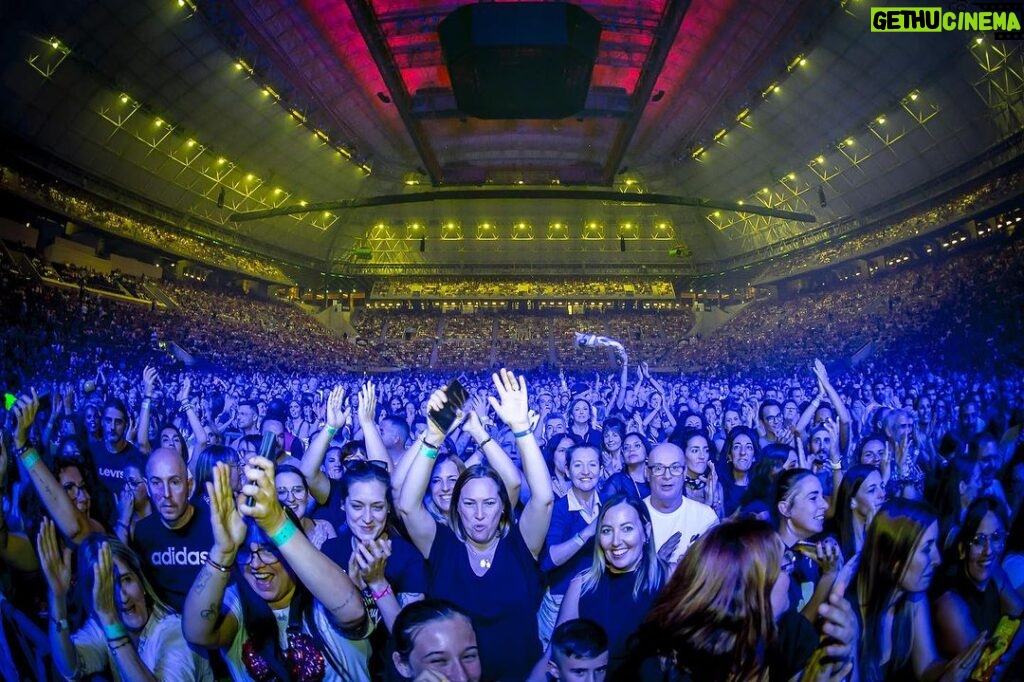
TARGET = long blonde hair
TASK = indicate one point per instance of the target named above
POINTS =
(650, 573)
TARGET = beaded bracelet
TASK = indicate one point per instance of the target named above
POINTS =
(284, 533)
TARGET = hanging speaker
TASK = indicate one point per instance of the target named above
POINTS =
(423, 244)
(520, 59)
(622, 244)
(821, 197)
(220, 198)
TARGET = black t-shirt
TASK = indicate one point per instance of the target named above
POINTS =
(332, 510)
(110, 466)
(405, 570)
(171, 559)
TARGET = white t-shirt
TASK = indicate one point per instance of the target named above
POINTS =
(162, 648)
(353, 654)
(690, 520)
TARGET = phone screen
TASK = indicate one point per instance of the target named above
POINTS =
(457, 396)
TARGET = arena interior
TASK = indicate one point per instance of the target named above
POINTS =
(754, 270)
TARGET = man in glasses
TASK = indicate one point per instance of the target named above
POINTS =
(773, 424)
(677, 520)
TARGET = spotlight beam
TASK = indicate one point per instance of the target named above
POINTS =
(535, 194)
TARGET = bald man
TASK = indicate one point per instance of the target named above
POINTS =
(677, 520)
(172, 542)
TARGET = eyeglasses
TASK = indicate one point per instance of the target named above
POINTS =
(788, 562)
(72, 489)
(773, 417)
(295, 491)
(134, 482)
(660, 469)
(997, 539)
(267, 557)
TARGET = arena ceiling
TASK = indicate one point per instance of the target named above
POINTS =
(213, 109)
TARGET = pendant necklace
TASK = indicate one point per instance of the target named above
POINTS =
(482, 558)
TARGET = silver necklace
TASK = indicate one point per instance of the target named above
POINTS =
(483, 558)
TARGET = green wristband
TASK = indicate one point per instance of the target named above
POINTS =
(29, 458)
(115, 631)
(429, 452)
(284, 533)
(331, 430)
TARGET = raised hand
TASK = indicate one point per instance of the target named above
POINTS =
(55, 562)
(103, 601)
(186, 389)
(227, 523)
(437, 400)
(126, 503)
(367, 406)
(24, 413)
(149, 377)
(820, 373)
(259, 495)
(474, 427)
(337, 412)
(512, 404)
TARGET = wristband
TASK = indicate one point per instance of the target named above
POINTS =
(481, 446)
(114, 632)
(146, 402)
(29, 456)
(219, 567)
(836, 466)
(378, 595)
(283, 534)
(429, 452)
(124, 642)
(524, 432)
(578, 539)
(185, 406)
(428, 444)
(331, 430)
